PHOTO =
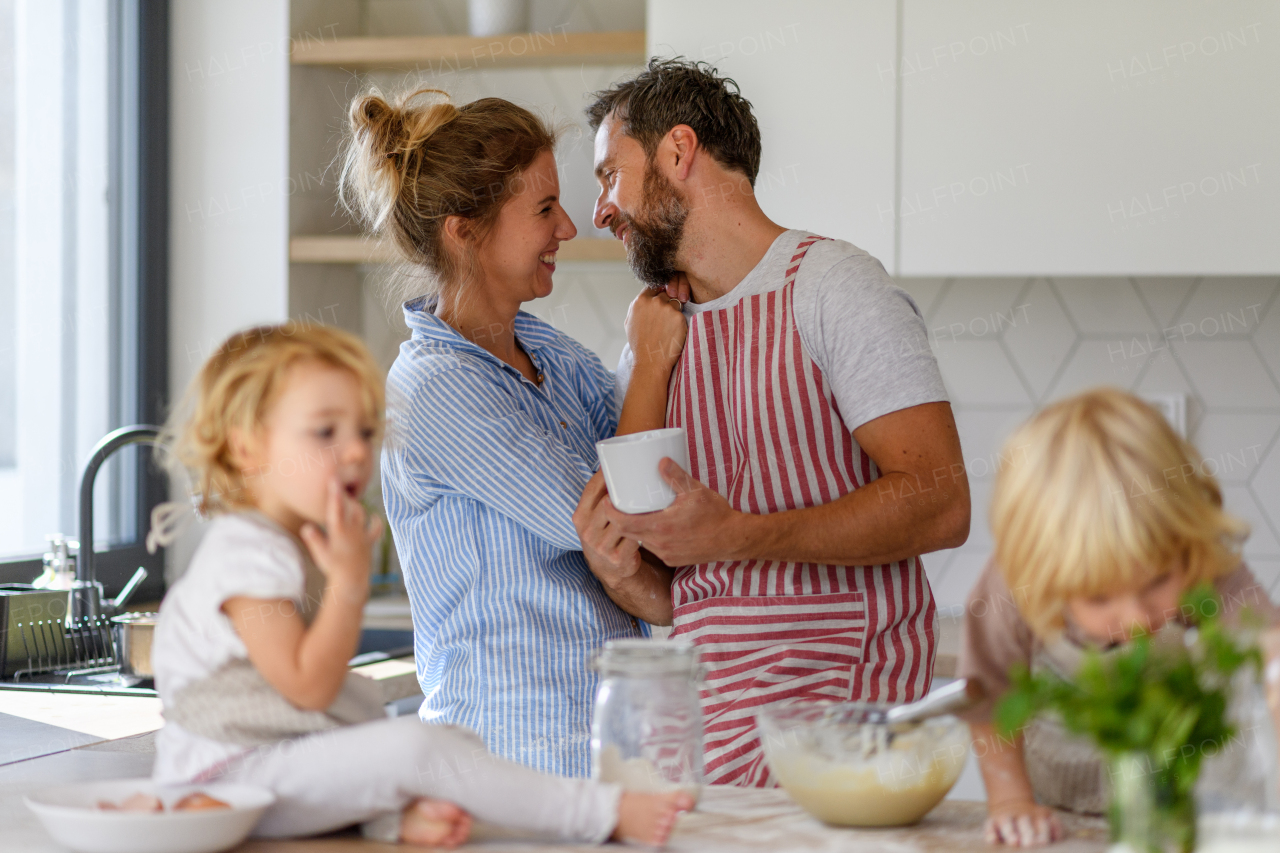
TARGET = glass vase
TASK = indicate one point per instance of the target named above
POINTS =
(1150, 811)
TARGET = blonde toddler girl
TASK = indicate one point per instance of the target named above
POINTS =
(253, 641)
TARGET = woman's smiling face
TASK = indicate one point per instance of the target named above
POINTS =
(518, 256)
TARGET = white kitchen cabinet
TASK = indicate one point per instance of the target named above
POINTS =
(819, 76)
(1088, 138)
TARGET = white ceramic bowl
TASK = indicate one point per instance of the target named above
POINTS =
(71, 815)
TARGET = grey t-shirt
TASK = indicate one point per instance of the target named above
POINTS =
(865, 333)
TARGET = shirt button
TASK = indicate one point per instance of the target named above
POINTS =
(563, 424)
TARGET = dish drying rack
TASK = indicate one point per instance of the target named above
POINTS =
(64, 647)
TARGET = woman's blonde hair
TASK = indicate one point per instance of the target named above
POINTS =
(1098, 495)
(412, 161)
(235, 389)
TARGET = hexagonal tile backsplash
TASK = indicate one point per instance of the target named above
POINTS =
(1007, 347)
(1207, 338)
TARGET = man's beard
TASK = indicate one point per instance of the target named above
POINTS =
(656, 231)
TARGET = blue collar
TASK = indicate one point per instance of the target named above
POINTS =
(531, 333)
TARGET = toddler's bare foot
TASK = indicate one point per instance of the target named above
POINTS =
(434, 823)
(649, 818)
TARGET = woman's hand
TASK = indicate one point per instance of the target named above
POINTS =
(678, 288)
(656, 329)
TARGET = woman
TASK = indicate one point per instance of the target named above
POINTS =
(493, 417)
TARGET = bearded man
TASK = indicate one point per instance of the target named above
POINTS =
(824, 454)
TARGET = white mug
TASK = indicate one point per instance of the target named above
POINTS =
(630, 466)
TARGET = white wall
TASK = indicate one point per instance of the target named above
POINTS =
(229, 90)
(229, 121)
(1008, 346)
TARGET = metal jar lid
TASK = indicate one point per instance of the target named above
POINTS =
(648, 658)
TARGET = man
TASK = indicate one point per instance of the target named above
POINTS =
(824, 454)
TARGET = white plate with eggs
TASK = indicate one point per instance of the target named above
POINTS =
(139, 816)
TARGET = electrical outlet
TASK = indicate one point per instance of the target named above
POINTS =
(1174, 409)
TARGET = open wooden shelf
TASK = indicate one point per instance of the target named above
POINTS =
(464, 53)
(346, 249)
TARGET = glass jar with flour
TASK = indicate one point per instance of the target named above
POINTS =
(646, 734)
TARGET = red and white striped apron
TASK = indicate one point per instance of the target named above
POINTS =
(765, 432)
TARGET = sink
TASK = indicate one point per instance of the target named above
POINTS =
(392, 643)
(376, 644)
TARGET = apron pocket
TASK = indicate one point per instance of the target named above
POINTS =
(762, 649)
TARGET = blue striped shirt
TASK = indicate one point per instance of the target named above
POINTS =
(481, 472)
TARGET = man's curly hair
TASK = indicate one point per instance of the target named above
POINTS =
(678, 91)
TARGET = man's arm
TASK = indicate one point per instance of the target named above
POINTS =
(919, 504)
(636, 581)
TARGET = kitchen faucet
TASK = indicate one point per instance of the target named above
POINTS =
(85, 602)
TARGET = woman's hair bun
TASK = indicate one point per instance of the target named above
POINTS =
(385, 137)
(420, 121)
(394, 130)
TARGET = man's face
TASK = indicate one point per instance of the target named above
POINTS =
(639, 205)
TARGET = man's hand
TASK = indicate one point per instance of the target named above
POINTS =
(699, 527)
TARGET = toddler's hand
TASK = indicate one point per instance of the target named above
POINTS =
(1022, 823)
(344, 548)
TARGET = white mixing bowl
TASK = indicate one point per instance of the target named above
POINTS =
(848, 771)
(71, 815)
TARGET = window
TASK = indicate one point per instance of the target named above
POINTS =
(83, 164)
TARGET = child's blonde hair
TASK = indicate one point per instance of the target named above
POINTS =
(1100, 495)
(236, 387)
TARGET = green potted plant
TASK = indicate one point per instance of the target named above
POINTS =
(1154, 710)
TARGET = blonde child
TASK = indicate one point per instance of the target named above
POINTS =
(1102, 518)
(253, 641)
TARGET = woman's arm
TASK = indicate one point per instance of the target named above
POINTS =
(462, 434)
(637, 581)
(309, 665)
(656, 331)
